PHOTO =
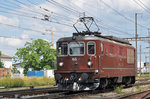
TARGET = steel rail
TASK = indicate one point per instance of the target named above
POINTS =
(32, 91)
(140, 95)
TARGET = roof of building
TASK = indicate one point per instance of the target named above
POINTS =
(5, 56)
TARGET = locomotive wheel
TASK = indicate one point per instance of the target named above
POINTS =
(112, 82)
(128, 81)
(133, 80)
(103, 83)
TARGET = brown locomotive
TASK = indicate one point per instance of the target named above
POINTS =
(87, 62)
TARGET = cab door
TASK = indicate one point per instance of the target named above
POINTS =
(91, 51)
(100, 54)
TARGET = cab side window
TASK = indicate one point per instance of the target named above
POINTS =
(91, 48)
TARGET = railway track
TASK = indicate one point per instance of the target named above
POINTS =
(71, 95)
(53, 93)
(32, 91)
(82, 94)
(137, 95)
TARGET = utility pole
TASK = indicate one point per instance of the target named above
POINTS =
(136, 38)
(149, 44)
(140, 59)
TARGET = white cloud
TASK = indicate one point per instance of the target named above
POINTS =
(25, 36)
(11, 21)
(11, 41)
(15, 42)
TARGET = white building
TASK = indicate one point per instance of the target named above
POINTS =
(143, 68)
(49, 73)
(7, 60)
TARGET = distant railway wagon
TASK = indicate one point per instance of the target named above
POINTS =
(88, 62)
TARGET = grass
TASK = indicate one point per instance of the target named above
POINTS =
(8, 82)
(143, 76)
(118, 90)
(39, 81)
(138, 87)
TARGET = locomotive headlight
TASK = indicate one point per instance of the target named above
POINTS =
(61, 64)
(89, 63)
(96, 70)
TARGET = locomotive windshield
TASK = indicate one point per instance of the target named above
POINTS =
(62, 49)
(76, 48)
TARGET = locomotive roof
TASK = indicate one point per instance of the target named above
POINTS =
(92, 37)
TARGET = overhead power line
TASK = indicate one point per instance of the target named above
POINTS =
(104, 25)
(63, 6)
(42, 19)
(32, 2)
(27, 15)
(59, 15)
(12, 10)
(29, 7)
(21, 28)
(52, 13)
(62, 23)
(76, 12)
(127, 18)
(142, 5)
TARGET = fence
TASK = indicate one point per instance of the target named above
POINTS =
(46, 73)
(35, 73)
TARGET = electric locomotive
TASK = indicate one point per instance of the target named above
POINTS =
(88, 60)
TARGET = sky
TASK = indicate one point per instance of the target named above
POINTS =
(23, 20)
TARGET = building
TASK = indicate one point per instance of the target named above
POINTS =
(7, 61)
(145, 67)
(148, 67)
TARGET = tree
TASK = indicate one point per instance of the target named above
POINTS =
(36, 55)
(1, 63)
(14, 70)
